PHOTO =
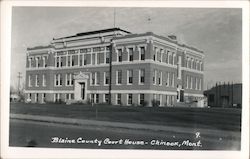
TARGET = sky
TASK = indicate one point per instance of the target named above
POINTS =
(217, 32)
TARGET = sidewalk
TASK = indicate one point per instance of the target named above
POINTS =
(136, 126)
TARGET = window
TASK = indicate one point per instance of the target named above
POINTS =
(37, 62)
(173, 79)
(69, 61)
(200, 84)
(69, 80)
(130, 52)
(29, 96)
(187, 82)
(106, 78)
(44, 62)
(118, 99)
(167, 77)
(61, 61)
(57, 80)
(29, 62)
(119, 52)
(74, 60)
(160, 78)
(93, 78)
(93, 59)
(97, 98)
(85, 59)
(106, 98)
(98, 59)
(119, 77)
(173, 59)
(57, 61)
(141, 99)
(155, 53)
(37, 81)
(130, 76)
(130, 99)
(36, 97)
(44, 80)
(141, 76)
(142, 51)
(107, 57)
(43, 97)
(97, 78)
(170, 79)
(154, 76)
(191, 82)
(159, 55)
(80, 60)
(29, 81)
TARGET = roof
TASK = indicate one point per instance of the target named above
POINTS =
(93, 32)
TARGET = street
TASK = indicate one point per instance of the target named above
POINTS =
(24, 133)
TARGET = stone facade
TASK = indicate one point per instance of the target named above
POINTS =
(142, 68)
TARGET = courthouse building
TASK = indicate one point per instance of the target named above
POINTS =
(114, 66)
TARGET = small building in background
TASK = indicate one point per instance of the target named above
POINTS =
(225, 95)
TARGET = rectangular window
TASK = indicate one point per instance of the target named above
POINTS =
(191, 82)
(154, 76)
(85, 59)
(58, 80)
(142, 51)
(93, 78)
(141, 99)
(37, 62)
(173, 80)
(57, 61)
(154, 53)
(131, 54)
(119, 52)
(130, 99)
(187, 82)
(107, 57)
(80, 60)
(106, 98)
(97, 78)
(142, 76)
(36, 97)
(44, 80)
(167, 77)
(93, 59)
(29, 81)
(98, 58)
(97, 98)
(160, 78)
(61, 61)
(106, 78)
(37, 81)
(130, 76)
(200, 84)
(44, 62)
(118, 99)
(69, 61)
(119, 77)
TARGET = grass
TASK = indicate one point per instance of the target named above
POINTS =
(214, 118)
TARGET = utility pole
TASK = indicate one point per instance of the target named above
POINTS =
(19, 78)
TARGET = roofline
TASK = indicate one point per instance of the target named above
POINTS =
(161, 37)
(39, 47)
(93, 32)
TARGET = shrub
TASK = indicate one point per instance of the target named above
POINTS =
(155, 103)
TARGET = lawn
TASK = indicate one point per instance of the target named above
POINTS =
(214, 118)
